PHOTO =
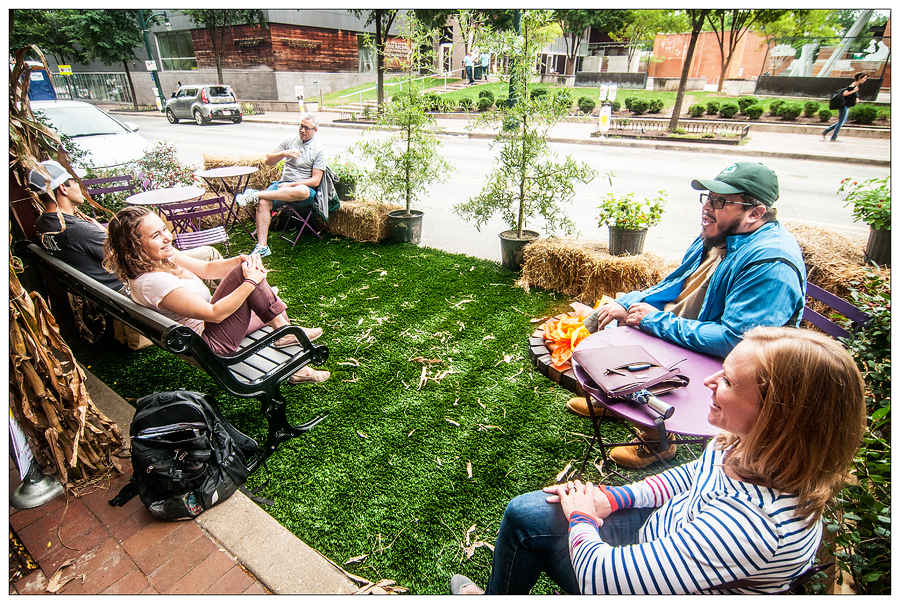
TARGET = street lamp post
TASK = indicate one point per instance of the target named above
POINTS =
(160, 99)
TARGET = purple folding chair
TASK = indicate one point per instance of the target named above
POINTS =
(113, 184)
(304, 216)
(859, 318)
(187, 227)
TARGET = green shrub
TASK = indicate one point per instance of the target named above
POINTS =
(696, 110)
(754, 112)
(679, 130)
(810, 108)
(484, 103)
(484, 93)
(628, 101)
(729, 109)
(563, 96)
(432, 101)
(864, 114)
(883, 114)
(825, 115)
(616, 105)
(712, 107)
(537, 93)
(501, 102)
(775, 105)
(655, 106)
(586, 104)
(746, 101)
(790, 111)
(639, 106)
(466, 103)
(708, 135)
(398, 96)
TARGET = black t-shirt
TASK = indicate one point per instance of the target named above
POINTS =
(80, 244)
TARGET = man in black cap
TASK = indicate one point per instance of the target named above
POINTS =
(745, 269)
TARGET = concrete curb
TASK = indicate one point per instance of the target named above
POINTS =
(274, 555)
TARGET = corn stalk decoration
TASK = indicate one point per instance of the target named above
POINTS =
(67, 433)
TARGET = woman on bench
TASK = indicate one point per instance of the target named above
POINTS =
(139, 250)
(744, 518)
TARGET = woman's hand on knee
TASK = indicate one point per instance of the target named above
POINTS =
(254, 269)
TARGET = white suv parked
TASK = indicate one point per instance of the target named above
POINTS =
(203, 103)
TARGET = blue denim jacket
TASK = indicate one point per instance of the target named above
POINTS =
(747, 289)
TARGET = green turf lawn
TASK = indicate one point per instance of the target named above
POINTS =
(385, 475)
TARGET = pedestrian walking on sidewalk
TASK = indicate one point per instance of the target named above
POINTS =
(843, 103)
(469, 62)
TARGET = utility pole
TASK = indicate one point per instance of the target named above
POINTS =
(160, 99)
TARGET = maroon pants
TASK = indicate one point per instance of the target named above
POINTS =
(258, 309)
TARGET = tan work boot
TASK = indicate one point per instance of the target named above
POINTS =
(579, 406)
(638, 455)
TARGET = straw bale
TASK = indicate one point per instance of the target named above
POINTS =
(261, 179)
(584, 269)
(361, 220)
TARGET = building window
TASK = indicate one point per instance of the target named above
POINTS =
(176, 50)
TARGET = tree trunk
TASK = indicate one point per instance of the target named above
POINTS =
(686, 70)
(573, 55)
(134, 103)
(379, 60)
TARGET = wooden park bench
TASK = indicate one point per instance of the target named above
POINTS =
(256, 370)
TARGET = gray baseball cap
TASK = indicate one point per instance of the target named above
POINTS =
(58, 175)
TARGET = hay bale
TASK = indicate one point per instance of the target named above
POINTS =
(584, 269)
(261, 179)
(361, 220)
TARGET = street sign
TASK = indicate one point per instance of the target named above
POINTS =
(65, 70)
(151, 65)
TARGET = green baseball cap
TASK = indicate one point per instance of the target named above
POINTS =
(748, 177)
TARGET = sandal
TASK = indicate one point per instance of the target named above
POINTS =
(312, 333)
(308, 375)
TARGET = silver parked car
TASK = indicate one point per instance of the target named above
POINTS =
(203, 103)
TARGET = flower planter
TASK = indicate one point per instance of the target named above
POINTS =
(626, 241)
(346, 190)
(878, 249)
(405, 228)
(512, 248)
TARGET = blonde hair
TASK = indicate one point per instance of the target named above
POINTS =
(124, 251)
(811, 417)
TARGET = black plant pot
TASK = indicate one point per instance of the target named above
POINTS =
(878, 249)
(624, 242)
(406, 228)
(346, 190)
(512, 249)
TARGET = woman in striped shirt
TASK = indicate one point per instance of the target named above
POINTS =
(744, 518)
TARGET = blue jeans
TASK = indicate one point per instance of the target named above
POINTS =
(843, 113)
(534, 537)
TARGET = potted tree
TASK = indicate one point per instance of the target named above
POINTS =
(628, 220)
(346, 176)
(871, 201)
(408, 160)
(527, 179)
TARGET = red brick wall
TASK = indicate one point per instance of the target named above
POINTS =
(747, 61)
(252, 49)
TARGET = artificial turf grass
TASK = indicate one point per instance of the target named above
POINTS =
(386, 474)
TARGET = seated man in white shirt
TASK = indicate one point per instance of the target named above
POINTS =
(305, 161)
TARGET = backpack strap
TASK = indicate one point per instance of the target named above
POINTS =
(128, 491)
(792, 322)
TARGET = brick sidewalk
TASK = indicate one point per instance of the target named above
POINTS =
(121, 550)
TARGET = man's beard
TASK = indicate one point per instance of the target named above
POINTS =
(719, 239)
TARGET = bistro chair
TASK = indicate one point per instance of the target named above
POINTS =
(302, 215)
(187, 222)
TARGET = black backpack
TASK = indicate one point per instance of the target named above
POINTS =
(186, 456)
(838, 100)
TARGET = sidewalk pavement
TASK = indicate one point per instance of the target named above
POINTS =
(233, 548)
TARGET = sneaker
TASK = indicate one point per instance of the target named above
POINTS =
(579, 406)
(835, 140)
(824, 136)
(248, 196)
(261, 250)
(638, 455)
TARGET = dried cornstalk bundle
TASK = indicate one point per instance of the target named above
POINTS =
(361, 220)
(68, 435)
(260, 179)
(584, 269)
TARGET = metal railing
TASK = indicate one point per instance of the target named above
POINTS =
(641, 125)
(359, 93)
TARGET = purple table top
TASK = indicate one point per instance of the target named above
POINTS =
(691, 402)
(226, 171)
(157, 197)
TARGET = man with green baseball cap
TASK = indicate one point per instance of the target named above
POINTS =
(744, 270)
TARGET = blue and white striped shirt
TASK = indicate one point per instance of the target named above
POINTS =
(709, 530)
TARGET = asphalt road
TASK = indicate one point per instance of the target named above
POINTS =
(808, 188)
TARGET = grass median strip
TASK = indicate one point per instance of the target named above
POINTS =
(436, 416)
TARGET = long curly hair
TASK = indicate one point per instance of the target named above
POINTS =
(811, 419)
(124, 251)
